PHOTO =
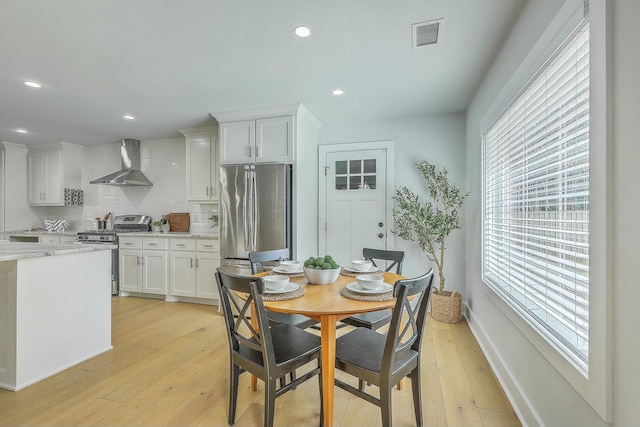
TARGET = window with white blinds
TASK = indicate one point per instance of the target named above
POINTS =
(536, 201)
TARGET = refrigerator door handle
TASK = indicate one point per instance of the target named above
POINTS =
(245, 201)
(254, 213)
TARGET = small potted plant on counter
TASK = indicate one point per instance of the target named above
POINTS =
(155, 225)
(214, 218)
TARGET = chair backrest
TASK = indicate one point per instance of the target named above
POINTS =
(258, 257)
(408, 318)
(237, 315)
(382, 254)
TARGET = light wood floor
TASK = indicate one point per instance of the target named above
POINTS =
(169, 366)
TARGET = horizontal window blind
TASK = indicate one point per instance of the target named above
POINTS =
(536, 201)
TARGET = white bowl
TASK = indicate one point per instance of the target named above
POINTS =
(321, 277)
(370, 281)
(275, 282)
(290, 265)
(361, 264)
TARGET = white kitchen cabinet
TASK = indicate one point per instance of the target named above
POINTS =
(207, 262)
(54, 239)
(68, 239)
(143, 264)
(202, 175)
(130, 270)
(52, 168)
(260, 141)
(51, 240)
(193, 263)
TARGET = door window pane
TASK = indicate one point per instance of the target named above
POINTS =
(355, 166)
(355, 174)
(354, 182)
(369, 182)
(369, 166)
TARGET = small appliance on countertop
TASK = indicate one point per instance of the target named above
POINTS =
(123, 223)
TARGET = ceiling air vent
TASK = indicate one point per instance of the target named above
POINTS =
(426, 33)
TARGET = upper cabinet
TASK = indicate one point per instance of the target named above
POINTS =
(261, 140)
(267, 135)
(201, 165)
(52, 168)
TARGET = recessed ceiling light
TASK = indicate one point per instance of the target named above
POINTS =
(21, 130)
(337, 92)
(302, 31)
(32, 84)
(129, 117)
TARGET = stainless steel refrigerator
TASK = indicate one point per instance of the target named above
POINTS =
(255, 212)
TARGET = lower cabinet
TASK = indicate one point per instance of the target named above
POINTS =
(192, 267)
(179, 267)
(143, 264)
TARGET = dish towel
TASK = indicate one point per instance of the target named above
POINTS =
(56, 225)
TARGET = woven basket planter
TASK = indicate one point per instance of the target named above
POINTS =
(446, 306)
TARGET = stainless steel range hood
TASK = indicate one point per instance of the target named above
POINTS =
(130, 174)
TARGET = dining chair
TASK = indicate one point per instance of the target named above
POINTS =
(268, 352)
(257, 258)
(384, 359)
(377, 319)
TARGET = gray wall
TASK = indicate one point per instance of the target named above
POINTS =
(541, 395)
(439, 139)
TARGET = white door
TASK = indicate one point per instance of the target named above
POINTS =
(37, 171)
(183, 276)
(206, 265)
(274, 139)
(355, 202)
(237, 142)
(199, 168)
(130, 270)
(154, 272)
(53, 178)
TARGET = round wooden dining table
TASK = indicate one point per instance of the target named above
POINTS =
(325, 304)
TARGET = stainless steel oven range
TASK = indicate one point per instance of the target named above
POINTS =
(121, 224)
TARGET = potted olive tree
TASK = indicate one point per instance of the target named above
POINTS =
(428, 223)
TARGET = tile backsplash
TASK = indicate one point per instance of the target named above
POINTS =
(162, 161)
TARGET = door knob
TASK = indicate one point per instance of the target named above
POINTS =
(381, 235)
(380, 224)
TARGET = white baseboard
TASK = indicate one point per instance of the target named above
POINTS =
(524, 410)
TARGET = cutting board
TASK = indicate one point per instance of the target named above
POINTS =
(178, 222)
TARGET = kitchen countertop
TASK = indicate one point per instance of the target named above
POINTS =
(200, 234)
(39, 232)
(10, 251)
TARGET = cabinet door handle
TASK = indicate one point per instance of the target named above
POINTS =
(197, 263)
(251, 151)
(152, 244)
(182, 245)
(258, 151)
(208, 246)
(138, 260)
(207, 190)
(191, 262)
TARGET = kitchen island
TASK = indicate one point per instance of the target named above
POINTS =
(55, 308)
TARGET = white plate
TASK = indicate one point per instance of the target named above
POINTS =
(283, 271)
(353, 286)
(290, 287)
(353, 270)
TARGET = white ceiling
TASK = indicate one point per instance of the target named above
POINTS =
(172, 62)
